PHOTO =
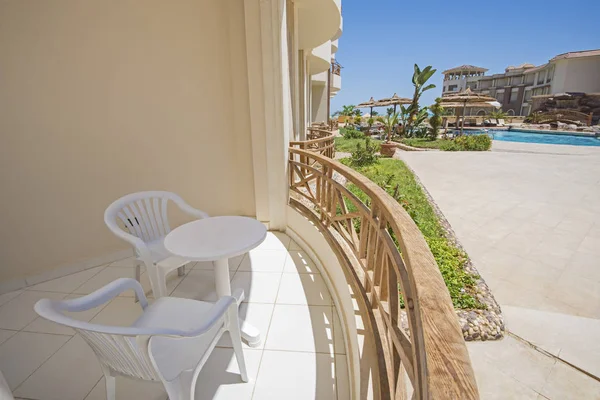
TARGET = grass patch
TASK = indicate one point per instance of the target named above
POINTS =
(391, 174)
(349, 145)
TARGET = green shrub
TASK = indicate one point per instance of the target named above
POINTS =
(468, 143)
(398, 181)
(364, 155)
(352, 133)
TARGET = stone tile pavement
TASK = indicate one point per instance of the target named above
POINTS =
(528, 215)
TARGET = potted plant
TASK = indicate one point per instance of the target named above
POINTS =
(388, 148)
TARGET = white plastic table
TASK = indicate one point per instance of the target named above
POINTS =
(217, 239)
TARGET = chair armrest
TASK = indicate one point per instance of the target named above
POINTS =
(104, 295)
(185, 207)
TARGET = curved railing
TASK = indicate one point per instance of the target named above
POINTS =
(391, 269)
(320, 141)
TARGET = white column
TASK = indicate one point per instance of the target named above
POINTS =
(270, 104)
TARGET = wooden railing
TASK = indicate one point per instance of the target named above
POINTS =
(565, 116)
(319, 140)
(385, 257)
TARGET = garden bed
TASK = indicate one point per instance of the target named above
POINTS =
(478, 313)
(461, 143)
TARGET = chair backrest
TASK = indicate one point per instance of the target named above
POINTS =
(143, 214)
(120, 349)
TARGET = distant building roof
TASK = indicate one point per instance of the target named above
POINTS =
(577, 54)
(522, 66)
(465, 68)
(539, 67)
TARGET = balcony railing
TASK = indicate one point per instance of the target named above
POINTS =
(320, 141)
(397, 283)
(336, 68)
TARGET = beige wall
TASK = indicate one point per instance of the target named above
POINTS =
(577, 75)
(103, 98)
(319, 103)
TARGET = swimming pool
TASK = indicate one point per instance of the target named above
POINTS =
(545, 138)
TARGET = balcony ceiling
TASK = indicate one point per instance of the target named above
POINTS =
(318, 21)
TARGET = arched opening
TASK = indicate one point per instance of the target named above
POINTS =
(481, 112)
(510, 112)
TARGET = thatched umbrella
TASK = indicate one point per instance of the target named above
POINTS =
(464, 97)
(393, 101)
(368, 104)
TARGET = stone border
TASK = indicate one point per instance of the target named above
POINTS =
(475, 324)
(406, 147)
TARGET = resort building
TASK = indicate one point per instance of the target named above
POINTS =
(577, 71)
(212, 100)
(460, 78)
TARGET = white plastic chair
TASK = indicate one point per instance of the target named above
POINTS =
(169, 343)
(144, 216)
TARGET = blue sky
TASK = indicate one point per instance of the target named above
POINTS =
(382, 39)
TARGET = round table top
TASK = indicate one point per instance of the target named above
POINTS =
(215, 238)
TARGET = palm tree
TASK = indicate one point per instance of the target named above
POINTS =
(348, 111)
(374, 113)
(498, 114)
(419, 79)
(389, 110)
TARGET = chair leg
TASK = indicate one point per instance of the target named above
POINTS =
(181, 271)
(138, 278)
(181, 388)
(157, 281)
(236, 340)
(111, 389)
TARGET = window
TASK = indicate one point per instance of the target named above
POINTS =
(452, 88)
(500, 97)
(550, 75)
(514, 93)
(541, 76)
(527, 95)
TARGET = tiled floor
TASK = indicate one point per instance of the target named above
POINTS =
(301, 355)
(527, 215)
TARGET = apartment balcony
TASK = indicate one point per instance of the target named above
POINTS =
(318, 21)
(287, 299)
(320, 58)
(336, 78)
(334, 46)
(336, 83)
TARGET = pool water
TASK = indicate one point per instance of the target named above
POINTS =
(545, 138)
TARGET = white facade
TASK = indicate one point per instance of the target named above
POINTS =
(460, 78)
(580, 74)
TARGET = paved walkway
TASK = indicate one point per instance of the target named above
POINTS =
(528, 215)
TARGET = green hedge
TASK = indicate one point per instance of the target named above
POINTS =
(348, 133)
(468, 143)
